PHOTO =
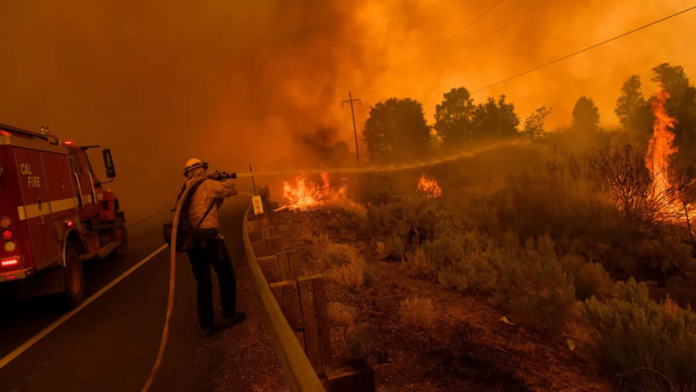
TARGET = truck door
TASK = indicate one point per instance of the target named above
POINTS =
(60, 186)
(83, 185)
(36, 206)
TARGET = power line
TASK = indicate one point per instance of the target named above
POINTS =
(578, 52)
(449, 16)
(501, 28)
(453, 35)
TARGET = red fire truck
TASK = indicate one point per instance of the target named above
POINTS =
(54, 214)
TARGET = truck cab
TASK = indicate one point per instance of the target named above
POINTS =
(54, 213)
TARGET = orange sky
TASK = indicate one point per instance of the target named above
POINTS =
(232, 82)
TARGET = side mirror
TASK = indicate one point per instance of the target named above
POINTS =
(109, 163)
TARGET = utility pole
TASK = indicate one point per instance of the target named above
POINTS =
(355, 129)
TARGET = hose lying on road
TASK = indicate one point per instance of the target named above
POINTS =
(170, 301)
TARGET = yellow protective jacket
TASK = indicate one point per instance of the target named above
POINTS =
(207, 192)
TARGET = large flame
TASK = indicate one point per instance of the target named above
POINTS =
(667, 200)
(429, 187)
(306, 194)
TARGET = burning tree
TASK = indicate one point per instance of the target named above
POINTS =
(645, 188)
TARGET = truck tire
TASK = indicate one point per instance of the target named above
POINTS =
(122, 251)
(73, 277)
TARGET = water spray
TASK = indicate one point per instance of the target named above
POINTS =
(393, 167)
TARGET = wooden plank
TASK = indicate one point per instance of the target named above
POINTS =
(253, 226)
(274, 244)
(263, 220)
(260, 248)
(288, 298)
(316, 321)
(256, 235)
(287, 261)
(269, 266)
(355, 375)
(268, 232)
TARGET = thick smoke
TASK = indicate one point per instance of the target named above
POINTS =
(233, 82)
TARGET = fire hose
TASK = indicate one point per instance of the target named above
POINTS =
(172, 271)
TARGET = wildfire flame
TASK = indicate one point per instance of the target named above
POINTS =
(306, 194)
(429, 187)
(657, 159)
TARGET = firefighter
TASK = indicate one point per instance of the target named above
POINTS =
(210, 247)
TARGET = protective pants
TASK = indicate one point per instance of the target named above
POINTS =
(213, 251)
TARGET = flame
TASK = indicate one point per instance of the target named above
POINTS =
(660, 149)
(306, 194)
(429, 187)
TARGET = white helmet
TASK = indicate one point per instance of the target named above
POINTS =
(194, 164)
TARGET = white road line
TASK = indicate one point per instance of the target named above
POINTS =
(25, 346)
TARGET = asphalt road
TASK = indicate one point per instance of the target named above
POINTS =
(111, 344)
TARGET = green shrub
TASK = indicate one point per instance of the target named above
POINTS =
(651, 345)
(412, 220)
(666, 254)
(590, 279)
(535, 290)
(376, 189)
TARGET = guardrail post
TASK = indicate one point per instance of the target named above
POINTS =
(287, 262)
(271, 269)
(274, 245)
(315, 318)
(268, 232)
(260, 248)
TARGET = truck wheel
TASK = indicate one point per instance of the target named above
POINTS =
(122, 251)
(73, 277)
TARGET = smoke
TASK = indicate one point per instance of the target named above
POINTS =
(233, 83)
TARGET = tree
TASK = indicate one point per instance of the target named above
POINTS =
(396, 129)
(633, 109)
(585, 115)
(681, 103)
(454, 117)
(534, 125)
(495, 119)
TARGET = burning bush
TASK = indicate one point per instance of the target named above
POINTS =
(652, 345)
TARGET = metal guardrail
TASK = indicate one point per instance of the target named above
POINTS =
(297, 368)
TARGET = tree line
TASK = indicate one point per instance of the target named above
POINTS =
(397, 129)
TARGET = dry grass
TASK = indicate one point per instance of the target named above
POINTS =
(359, 342)
(418, 313)
(349, 276)
(342, 315)
(330, 254)
(381, 250)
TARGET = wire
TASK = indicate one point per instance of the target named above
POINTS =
(577, 53)
(507, 24)
(160, 207)
(453, 35)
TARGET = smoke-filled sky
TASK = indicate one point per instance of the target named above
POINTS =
(236, 82)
